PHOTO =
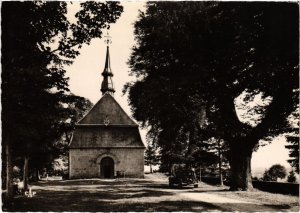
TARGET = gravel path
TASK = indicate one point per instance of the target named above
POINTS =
(212, 198)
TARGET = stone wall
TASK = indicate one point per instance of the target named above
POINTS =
(85, 163)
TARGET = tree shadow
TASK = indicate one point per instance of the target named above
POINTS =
(208, 190)
(96, 205)
(73, 198)
(168, 206)
(158, 186)
(280, 206)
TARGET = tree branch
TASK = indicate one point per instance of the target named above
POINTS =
(60, 49)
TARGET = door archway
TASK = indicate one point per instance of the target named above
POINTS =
(107, 168)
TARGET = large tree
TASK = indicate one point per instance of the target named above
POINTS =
(37, 42)
(192, 56)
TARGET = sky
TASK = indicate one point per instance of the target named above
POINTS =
(85, 77)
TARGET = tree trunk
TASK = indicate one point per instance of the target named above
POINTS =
(240, 166)
(35, 174)
(220, 162)
(151, 168)
(200, 174)
(25, 173)
(9, 170)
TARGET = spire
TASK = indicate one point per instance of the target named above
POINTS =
(107, 85)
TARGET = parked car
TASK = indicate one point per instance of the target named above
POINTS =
(182, 176)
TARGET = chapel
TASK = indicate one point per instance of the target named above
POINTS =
(106, 141)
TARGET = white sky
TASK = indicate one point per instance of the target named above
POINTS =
(85, 77)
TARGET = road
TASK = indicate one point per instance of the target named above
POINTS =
(149, 194)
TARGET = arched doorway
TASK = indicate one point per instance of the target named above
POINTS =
(107, 168)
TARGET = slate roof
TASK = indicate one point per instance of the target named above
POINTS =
(107, 108)
(106, 125)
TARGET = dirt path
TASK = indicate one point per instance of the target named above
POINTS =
(225, 200)
(149, 194)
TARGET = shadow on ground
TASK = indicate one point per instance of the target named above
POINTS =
(105, 196)
(136, 195)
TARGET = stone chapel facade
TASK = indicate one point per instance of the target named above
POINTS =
(106, 141)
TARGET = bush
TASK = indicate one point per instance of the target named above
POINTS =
(276, 171)
(291, 178)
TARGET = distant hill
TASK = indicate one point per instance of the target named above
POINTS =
(258, 172)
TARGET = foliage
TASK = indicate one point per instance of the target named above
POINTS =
(293, 147)
(266, 176)
(75, 108)
(151, 156)
(274, 172)
(291, 178)
(193, 60)
(60, 165)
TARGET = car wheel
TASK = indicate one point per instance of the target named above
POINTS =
(196, 185)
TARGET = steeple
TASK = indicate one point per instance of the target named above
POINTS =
(107, 85)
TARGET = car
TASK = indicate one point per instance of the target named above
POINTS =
(181, 176)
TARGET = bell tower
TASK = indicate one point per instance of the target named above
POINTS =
(107, 85)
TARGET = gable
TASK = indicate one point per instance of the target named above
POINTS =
(107, 108)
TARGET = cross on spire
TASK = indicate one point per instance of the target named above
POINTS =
(108, 39)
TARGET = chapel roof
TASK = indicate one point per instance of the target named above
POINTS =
(107, 111)
(106, 125)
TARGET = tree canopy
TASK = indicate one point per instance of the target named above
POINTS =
(291, 178)
(293, 147)
(193, 60)
(274, 172)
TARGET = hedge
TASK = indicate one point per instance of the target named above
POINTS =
(277, 187)
(268, 186)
